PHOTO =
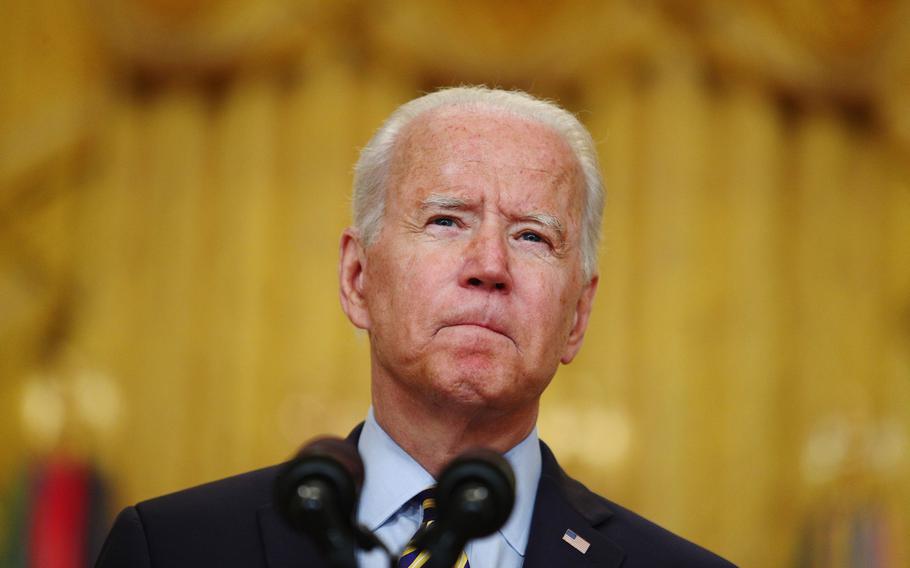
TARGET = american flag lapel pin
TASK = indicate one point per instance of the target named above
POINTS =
(578, 543)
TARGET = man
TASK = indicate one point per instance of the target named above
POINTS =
(472, 266)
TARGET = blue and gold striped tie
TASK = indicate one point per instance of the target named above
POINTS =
(413, 557)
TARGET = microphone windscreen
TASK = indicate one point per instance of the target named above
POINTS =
(476, 493)
(343, 452)
(330, 464)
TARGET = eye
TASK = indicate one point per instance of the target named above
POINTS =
(443, 221)
(531, 236)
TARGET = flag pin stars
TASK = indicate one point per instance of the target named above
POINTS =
(578, 543)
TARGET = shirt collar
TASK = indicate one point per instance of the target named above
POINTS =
(392, 477)
(525, 461)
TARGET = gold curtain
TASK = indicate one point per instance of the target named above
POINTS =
(174, 177)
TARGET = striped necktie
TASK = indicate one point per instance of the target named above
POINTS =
(413, 557)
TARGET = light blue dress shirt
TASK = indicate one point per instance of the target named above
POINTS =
(393, 478)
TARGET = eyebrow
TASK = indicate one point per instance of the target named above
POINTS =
(547, 220)
(443, 202)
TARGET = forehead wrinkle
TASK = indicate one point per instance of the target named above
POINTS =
(562, 179)
(559, 175)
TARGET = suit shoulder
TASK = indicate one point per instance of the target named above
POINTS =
(646, 540)
(182, 528)
(125, 544)
(243, 492)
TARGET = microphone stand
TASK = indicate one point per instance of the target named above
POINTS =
(474, 497)
(367, 540)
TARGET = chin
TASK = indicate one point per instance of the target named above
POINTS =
(476, 382)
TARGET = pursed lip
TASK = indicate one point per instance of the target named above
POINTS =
(484, 324)
(479, 324)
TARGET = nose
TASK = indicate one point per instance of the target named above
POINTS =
(486, 263)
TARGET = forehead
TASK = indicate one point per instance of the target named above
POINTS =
(460, 149)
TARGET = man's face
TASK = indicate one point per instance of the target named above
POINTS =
(473, 290)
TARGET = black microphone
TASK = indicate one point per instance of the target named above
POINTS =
(474, 498)
(317, 492)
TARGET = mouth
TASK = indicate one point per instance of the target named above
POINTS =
(478, 325)
(488, 326)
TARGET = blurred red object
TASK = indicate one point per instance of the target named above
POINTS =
(59, 516)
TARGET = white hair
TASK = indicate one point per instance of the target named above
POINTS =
(372, 168)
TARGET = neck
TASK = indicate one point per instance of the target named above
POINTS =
(435, 432)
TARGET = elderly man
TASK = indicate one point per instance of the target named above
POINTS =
(471, 264)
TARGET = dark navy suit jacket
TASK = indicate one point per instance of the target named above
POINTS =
(232, 522)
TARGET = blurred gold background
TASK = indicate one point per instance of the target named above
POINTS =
(174, 177)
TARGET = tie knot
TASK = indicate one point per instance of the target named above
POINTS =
(427, 501)
(413, 557)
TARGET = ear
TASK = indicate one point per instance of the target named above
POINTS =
(351, 265)
(580, 323)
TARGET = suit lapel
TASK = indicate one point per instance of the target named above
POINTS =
(564, 504)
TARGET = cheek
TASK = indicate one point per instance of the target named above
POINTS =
(404, 286)
(554, 303)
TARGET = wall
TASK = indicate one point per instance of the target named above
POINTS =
(174, 177)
